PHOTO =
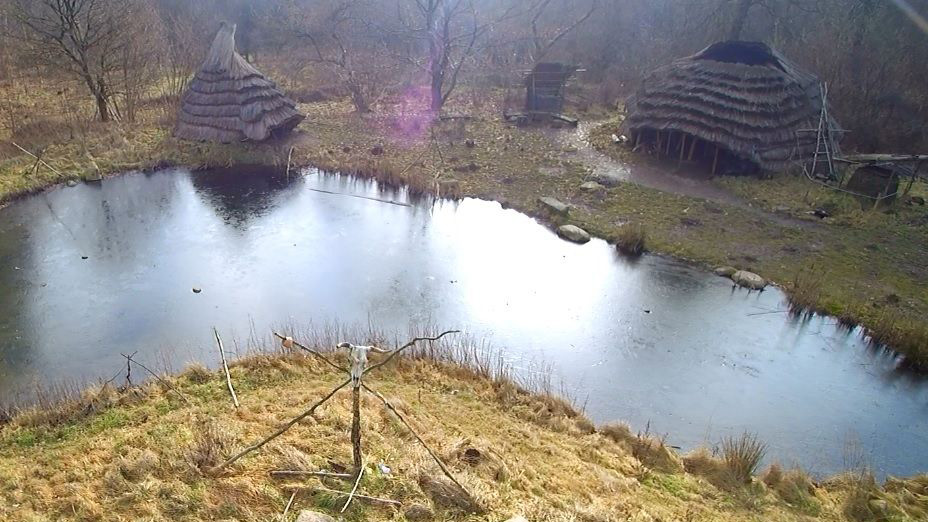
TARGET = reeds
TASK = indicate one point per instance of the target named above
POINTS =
(742, 455)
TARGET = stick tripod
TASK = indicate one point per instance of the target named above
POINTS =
(358, 369)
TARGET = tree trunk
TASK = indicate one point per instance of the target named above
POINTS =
(103, 107)
(741, 16)
(358, 99)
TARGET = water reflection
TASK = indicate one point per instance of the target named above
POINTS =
(649, 341)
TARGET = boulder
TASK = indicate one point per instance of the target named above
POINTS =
(725, 271)
(313, 516)
(592, 186)
(749, 280)
(418, 512)
(553, 205)
(447, 494)
(573, 233)
(609, 179)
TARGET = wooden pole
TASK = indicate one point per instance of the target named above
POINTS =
(659, 144)
(669, 137)
(682, 148)
(356, 429)
(637, 139)
(715, 160)
(692, 148)
(225, 367)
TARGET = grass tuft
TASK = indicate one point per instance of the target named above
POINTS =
(630, 239)
(742, 455)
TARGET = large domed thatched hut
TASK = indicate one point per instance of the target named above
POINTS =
(229, 100)
(736, 104)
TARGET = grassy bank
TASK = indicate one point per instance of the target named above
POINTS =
(866, 268)
(143, 453)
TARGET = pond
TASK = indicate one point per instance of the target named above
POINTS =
(90, 271)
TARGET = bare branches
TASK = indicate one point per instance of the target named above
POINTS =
(129, 359)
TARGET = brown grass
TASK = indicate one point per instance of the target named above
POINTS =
(742, 455)
(630, 239)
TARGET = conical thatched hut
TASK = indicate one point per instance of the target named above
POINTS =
(229, 100)
(737, 103)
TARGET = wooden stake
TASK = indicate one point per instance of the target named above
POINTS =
(288, 164)
(402, 419)
(356, 429)
(355, 488)
(682, 148)
(283, 517)
(156, 376)
(715, 160)
(637, 139)
(659, 144)
(222, 356)
(669, 138)
(38, 159)
(692, 148)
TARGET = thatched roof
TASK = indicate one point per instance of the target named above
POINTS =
(742, 96)
(229, 100)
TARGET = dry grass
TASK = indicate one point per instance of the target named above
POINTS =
(141, 457)
(630, 239)
(742, 455)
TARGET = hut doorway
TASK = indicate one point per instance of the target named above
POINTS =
(687, 149)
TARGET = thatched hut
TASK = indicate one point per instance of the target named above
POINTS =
(737, 104)
(229, 100)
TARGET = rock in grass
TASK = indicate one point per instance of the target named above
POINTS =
(749, 280)
(592, 186)
(609, 179)
(725, 271)
(447, 494)
(417, 513)
(554, 205)
(573, 233)
(313, 516)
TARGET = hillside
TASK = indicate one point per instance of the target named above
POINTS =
(141, 454)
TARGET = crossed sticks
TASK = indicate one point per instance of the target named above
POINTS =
(358, 355)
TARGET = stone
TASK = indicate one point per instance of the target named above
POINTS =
(447, 494)
(592, 186)
(780, 209)
(418, 512)
(470, 144)
(554, 205)
(377, 150)
(878, 506)
(607, 178)
(573, 233)
(196, 290)
(749, 280)
(71, 183)
(313, 516)
(725, 271)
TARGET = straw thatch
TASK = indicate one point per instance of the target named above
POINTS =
(743, 97)
(229, 100)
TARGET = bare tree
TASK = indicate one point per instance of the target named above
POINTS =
(341, 42)
(543, 39)
(83, 37)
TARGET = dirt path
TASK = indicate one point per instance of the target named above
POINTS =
(665, 176)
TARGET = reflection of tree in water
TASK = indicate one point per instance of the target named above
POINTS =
(242, 193)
